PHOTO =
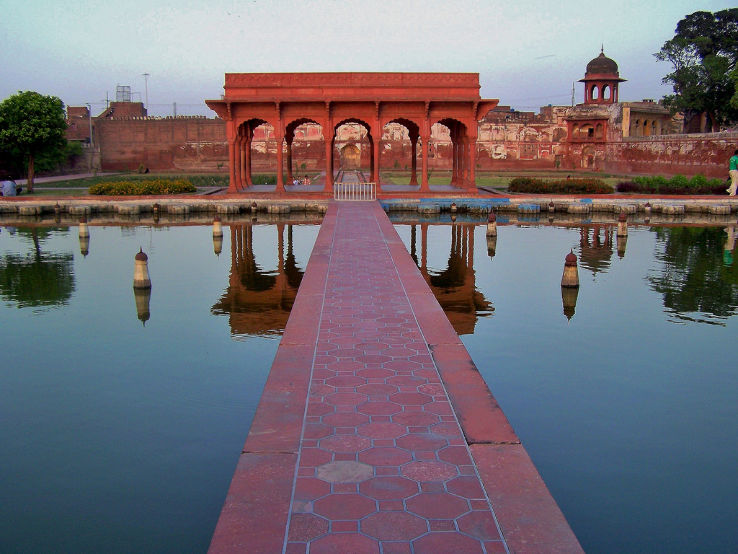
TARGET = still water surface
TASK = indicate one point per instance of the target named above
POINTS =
(628, 409)
(120, 437)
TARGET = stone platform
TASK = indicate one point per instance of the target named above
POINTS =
(375, 431)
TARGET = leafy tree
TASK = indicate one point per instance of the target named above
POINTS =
(703, 53)
(31, 125)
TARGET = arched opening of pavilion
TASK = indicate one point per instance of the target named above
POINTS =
(353, 149)
(401, 131)
(255, 145)
(350, 155)
(304, 144)
(460, 155)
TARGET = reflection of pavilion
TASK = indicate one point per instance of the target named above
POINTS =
(454, 287)
(595, 247)
(258, 302)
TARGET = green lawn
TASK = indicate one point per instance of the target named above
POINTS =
(500, 179)
(55, 192)
(199, 180)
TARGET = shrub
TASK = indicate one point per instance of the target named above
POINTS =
(679, 184)
(558, 186)
(698, 182)
(679, 181)
(139, 187)
(264, 179)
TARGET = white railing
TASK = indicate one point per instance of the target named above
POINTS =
(354, 191)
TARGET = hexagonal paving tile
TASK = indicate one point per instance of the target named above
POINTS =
(309, 488)
(388, 488)
(344, 506)
(467, 486)
(382, 430)
(433, 543)
(429, 471)
(345, 381)
(306, 527)
(344, 419)
(394, 526)
(421, 441)
(411, 398)
(345, 443)
(457, 455)
(376, 389)
(437, 505)
(347, 398)
(385, 456)
(344, 472)
(345, 542)
(417, 419)
(379, 408)
(480, 525)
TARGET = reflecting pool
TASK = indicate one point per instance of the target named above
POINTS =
(623, 392)
(123, 414)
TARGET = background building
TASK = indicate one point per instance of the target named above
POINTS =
(601, 134)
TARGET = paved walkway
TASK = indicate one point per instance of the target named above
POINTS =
(357, 445)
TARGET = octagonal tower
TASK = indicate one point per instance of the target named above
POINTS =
(601, 81)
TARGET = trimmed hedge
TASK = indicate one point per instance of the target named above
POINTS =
(679, 184)
(559, 186)
(139, 187)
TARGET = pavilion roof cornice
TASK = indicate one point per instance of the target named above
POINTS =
(335, 100)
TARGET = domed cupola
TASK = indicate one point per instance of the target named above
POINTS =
(601, 81)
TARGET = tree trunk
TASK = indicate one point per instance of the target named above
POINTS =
(715, 124)
(31, 174)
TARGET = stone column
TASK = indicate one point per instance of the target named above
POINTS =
(424, 186)
(371, 156)
(280, 159)
(238, 159)
(375, 157)
(472, 139)
(454, 160)
(245, 146)
(231, 136)
(329, 137)
(465, 180)
(247, 151)
(414, 159)
(290, 137)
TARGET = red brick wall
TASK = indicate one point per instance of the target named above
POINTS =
(199, 145)
(78, 124)
(706, 154)
(168, 144)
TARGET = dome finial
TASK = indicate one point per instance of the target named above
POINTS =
(602, 48)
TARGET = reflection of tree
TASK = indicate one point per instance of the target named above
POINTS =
(37, 279)
(259, 302)
(693, 277)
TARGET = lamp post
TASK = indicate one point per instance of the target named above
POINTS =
(146, 89)
(91, 150)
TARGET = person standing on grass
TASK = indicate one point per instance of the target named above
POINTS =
(733, 171)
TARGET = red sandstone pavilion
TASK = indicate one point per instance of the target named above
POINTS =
(415, 100)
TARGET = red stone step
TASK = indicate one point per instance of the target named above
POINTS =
(375, 431)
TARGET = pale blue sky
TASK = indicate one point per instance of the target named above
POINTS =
(528, 52)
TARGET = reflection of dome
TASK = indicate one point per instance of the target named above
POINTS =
(602, 65)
